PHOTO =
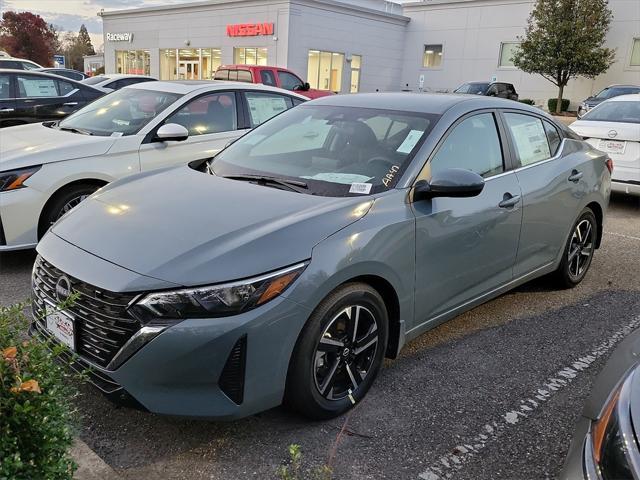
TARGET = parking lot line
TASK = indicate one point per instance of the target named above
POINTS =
(623, 235)
(445, 466)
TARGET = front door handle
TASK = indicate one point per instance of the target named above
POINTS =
(7, 109)
(575, 176)
(70, 104)
(509, 201)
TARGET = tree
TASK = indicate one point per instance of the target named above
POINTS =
(26, 35)
(564, 39)
(76, 47)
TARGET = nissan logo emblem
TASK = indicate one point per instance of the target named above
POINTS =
(612, 134)
(63, 288)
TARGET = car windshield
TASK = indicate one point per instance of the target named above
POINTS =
(331, 150)
(123, 112)
(94, 80)
(623, 112)
(475, 88)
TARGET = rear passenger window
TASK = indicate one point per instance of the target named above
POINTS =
(267, 77)
(474, 145)
(553, 137)
(5, 87)
(29, 86)
(221, 75)
(263, 106)
(529, 138)
(65, 88)
(244, 76)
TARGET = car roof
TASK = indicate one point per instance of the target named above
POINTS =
(632, 97)
(187, 86)
(37, 72)
(622, 85)
(16, 58)
(437, 103)
(112, 76)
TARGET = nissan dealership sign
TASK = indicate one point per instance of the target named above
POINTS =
(120, 37)
(250, 29)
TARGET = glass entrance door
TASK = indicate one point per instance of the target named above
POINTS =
(189, 70)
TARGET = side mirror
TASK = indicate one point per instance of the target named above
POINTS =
(452, 182)
(305, 87)
(171, 132)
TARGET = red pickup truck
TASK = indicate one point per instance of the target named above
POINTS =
(274, 76)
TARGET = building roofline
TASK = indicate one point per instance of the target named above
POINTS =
(211, 3)
(417, 4)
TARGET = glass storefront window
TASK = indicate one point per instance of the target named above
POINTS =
(249, 56)
(635, 53)
(432, 56)
(134, 62)
(324, 70)
(356, 62)
(189, 63)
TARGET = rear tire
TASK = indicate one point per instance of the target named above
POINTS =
(579, 250)
(63, 202)
(338, 353)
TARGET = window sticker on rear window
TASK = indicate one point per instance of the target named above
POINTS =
(345, 178)
(410, 141)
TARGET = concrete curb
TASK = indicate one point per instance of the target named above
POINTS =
(90, 465)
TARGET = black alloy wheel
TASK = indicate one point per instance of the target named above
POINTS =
(338, 353)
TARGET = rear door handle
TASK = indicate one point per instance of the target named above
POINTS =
(70, 104)
(509, 201)
(575, 176)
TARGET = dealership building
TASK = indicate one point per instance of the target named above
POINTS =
(353, 45)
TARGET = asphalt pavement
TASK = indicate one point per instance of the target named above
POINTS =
(492, 394)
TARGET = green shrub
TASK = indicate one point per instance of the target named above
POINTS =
(552, 102)
(36, 414)
(527, 101)
(294, 470)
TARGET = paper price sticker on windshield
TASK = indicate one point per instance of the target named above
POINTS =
(410, 141)
(362, 188)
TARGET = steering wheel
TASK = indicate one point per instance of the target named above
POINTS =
(388, 163)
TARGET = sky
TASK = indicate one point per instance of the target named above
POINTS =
(68, 15)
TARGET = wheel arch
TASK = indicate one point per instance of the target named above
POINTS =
(392, 303)
(52, 198)
(597, 210)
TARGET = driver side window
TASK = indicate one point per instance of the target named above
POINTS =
(473, 145)
(289, 81)
(213, 113)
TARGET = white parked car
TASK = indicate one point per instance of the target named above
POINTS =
(48, 168)
(614, 127)
(116, 81)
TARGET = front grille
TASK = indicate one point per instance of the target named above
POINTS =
(102, 324)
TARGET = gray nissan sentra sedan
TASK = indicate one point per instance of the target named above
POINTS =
(288, 266)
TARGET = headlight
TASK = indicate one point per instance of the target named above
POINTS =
(216, 300)
(14, 179)
(612, 436)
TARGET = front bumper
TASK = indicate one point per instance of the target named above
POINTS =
(221, 368)
(19, 215)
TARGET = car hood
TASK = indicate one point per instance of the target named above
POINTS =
(607, 130)
(35, 144)
(191, 228)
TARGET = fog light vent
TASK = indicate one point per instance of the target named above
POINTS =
(231, 380)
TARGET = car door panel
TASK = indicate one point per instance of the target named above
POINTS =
(466, 247)
(551, 192)
(198, 115)
(8, 104)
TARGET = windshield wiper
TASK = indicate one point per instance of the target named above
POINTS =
(75, 130)
(292, 185)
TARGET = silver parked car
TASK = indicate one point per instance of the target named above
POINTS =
(289, 265)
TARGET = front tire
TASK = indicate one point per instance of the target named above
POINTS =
(338, 353)
(579, 250)
(63, 202)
